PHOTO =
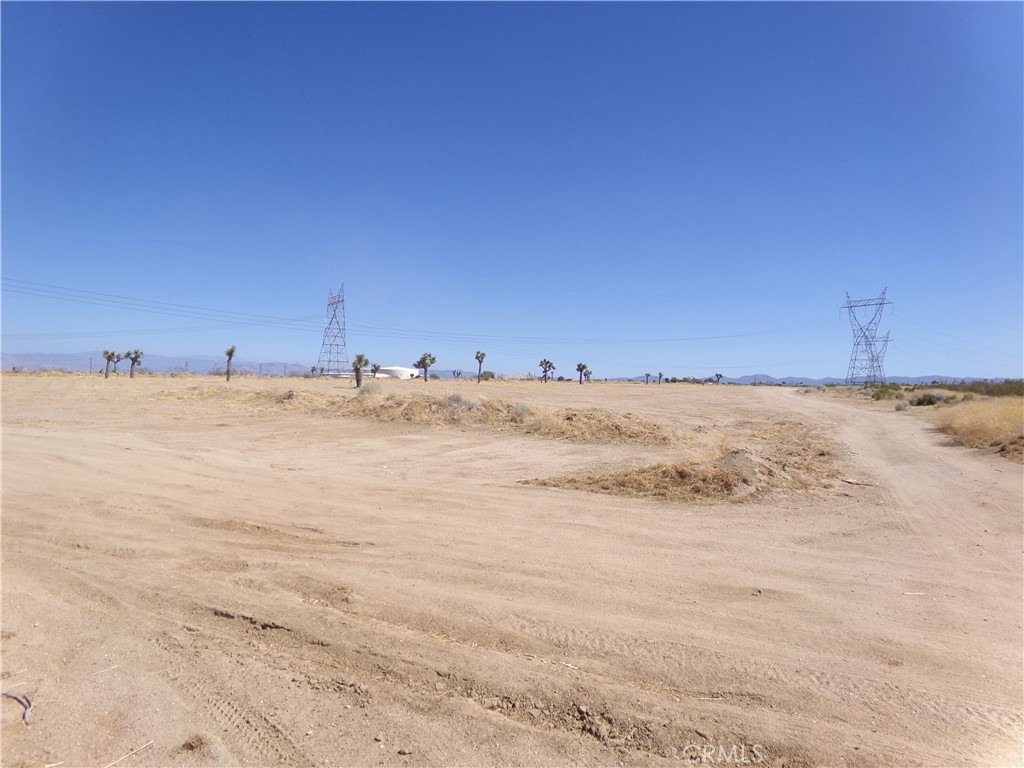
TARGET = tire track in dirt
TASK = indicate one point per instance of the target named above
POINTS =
(253, 737)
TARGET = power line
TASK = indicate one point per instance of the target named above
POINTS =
(366, 326)
(150, 306)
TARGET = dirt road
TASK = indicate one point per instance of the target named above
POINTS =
(213, 576)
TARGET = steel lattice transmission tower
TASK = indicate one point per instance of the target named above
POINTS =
(333, 352)
(868, 347)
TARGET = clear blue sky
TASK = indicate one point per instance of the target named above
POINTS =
(602, 183)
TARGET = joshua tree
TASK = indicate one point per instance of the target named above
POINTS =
(660, 374)
(718, 378)
(581, 368)
(358, 364)
(426, 360)
(135, 355)
(647, 378)
(546, 367)
(587, 374)
(230, 352)
(374, 369)
(480, 365)
(456, 374)
(110, 357)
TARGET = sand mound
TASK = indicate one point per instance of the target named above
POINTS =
(783, 457)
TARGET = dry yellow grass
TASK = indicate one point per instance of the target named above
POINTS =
(998, 422)
(574, 424)
(669, 482)
(786, 456)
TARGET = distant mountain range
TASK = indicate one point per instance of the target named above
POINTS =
(805, 381)
(199, 364)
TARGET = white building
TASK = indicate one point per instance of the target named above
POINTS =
(398, 372)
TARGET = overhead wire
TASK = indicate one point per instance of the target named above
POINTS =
(365, 326)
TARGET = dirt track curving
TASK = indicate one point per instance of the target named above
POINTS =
(246, 577)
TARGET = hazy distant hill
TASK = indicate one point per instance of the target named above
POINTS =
(203, 364)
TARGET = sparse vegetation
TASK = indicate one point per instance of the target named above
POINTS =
(996, 423)
(134, 356)
(669, 482)
(111, 358)
(546, 367)
(1004, 388)
(886, 392)
(573, 424)
(479, 366)
(426, 360)
(361, 361)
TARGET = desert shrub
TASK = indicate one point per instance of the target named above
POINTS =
(928, 398)
(369, 388)
(1004, 388)
(885, 391)
(519, 413)
(487, 376)
(901, 405)
(968, 396)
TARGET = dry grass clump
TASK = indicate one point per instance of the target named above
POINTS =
(795, 455)
(578, 425)
(780, 456)
(575, 424)
(997, 423)
(669, 482)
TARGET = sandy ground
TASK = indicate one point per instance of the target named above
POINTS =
(191, 572)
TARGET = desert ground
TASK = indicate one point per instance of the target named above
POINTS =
(283, 572)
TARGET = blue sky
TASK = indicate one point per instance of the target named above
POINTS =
(686, 188)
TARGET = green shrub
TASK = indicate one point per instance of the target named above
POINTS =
(928, 398)
(1005, 388)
